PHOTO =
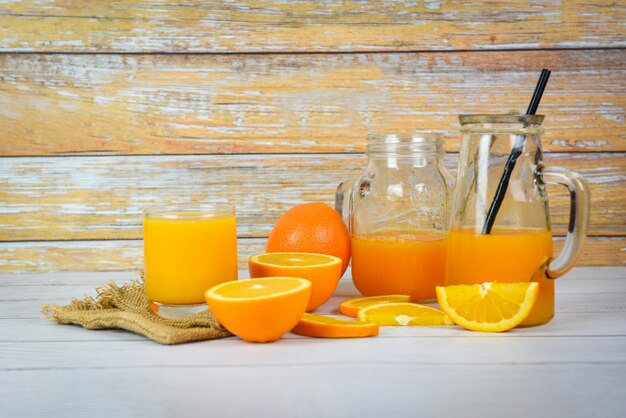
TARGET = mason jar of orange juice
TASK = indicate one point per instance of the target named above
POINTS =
(500, 222)
(397, 213)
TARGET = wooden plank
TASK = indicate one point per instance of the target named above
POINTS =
(197, 104)
(609, 291)
(60, 198)
(607, 182)
(104, 197)
(266, 25)
(611, 304)
(331, 390)
(489, 348)
(608, 278)
(31, 257)
(599, 251)
(565, 324)
(92, 255)
(39, 288)
(37, 329)
(603, 289)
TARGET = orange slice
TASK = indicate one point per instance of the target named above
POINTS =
(488, 307)
(326, 327)
(323, 271)
(403, 314)
(259, 310)
(351, 307)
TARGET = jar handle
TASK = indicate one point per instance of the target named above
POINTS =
(578, 218)
(342, 200)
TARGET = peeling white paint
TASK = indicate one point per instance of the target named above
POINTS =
(590, 144)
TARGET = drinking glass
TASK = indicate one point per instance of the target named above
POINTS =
(187, 250)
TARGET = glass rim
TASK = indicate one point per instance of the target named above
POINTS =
(405, 137)
(501, 118)
(191, 211)
(405, 143)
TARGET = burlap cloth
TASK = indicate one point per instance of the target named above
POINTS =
(127, 307)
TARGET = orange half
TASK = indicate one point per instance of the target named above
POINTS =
(323, 271)
(259, 310)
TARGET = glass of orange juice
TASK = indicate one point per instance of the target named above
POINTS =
(517, 246)
(186, 251)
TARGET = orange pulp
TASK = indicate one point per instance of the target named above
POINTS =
(505, 255)
(184, 257)
(398, 262)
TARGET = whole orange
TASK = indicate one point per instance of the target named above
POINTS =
(311, 228)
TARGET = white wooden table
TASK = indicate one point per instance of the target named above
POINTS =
(573, 366)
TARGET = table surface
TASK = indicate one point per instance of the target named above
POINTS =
(573, 366)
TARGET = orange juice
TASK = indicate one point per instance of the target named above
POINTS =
(505, 255)
(399, 263)
(186, 253)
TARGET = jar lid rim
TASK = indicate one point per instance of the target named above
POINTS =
(405, 138)
(510, 118)
(405, 143)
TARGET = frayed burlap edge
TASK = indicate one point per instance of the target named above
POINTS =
(127, 308)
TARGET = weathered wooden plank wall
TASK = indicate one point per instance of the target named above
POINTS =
(108, 108)
(60, 198)
(120, 104)
(306, 25)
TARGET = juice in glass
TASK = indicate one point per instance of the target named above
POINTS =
(186, 252)
(504, 255)
(399, 263)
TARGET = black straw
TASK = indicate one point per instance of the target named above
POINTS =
(539, 88)
(515, 153)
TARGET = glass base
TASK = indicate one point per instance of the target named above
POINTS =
(176, 311)
(536, 323)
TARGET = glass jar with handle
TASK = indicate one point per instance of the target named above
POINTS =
(519, 245)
